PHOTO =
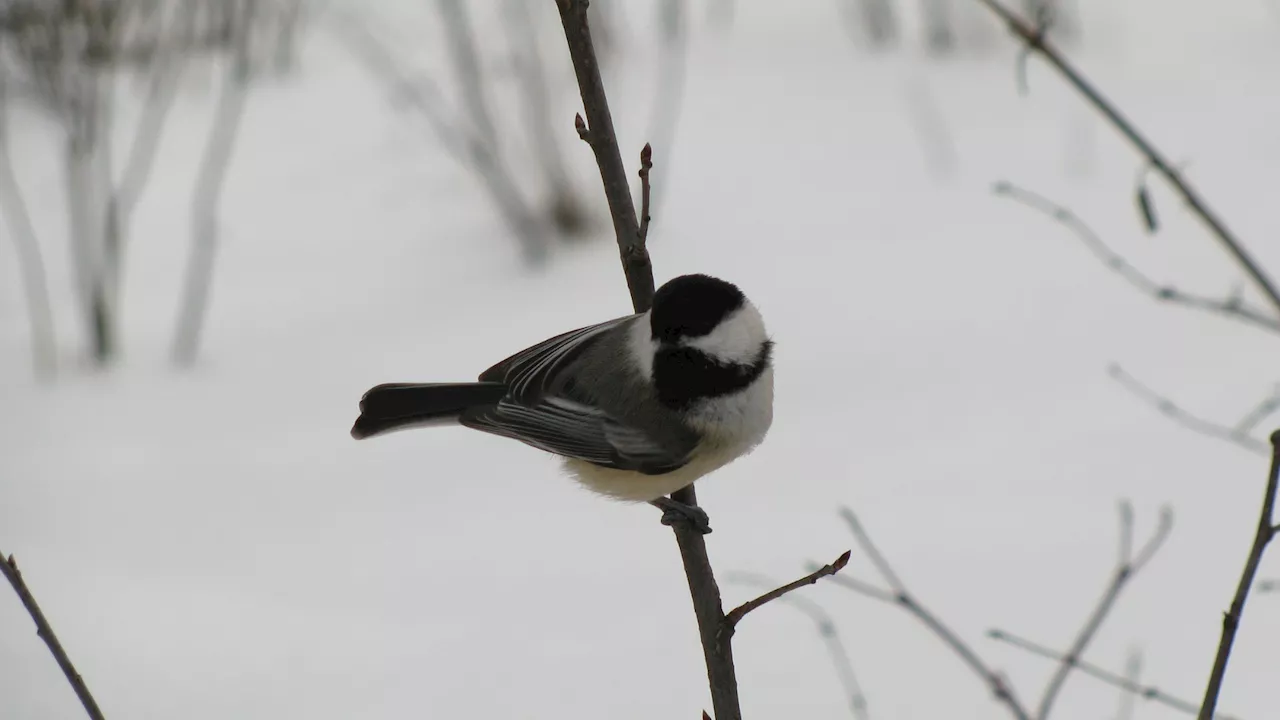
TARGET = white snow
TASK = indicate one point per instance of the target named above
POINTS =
(212, 544)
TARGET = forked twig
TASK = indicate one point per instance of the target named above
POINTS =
(901, 597)
(9, 568)
(1127, 565)
(1146, 692)
(1037, 43)
(826, 627)
(734, 616)
(1184, 418)
(1231, 306)
(1267, 530)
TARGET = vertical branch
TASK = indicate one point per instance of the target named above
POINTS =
(27, 247)
(140, 158)
(9, 568)
(1267, 529)
(715, 633)
(208, 192)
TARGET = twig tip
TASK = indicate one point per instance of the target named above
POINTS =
(841, 561)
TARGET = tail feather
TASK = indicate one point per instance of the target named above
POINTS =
(398, 406)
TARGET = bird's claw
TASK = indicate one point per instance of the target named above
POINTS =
(675, 512)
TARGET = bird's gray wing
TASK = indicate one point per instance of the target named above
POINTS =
(531, 371)
(575, 430)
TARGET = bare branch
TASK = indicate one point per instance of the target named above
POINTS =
(735, 616)
(1231, 306)
(1182, 417)
(1147, 692)
(1263, 410)
(1037, 43)
(9, 568)
(901, 597)
(1231, 620)
(826, 627)
(717, 645)
(1127, 566)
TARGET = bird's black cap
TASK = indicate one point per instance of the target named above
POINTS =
(692, 306)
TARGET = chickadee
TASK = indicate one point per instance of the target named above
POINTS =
(639, 406)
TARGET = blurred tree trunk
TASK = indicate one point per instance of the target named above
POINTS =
(207, 197)
(939, 31)
(13, 208)
(871, 20)
(567, 214)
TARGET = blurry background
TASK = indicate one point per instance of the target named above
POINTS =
(223, 221)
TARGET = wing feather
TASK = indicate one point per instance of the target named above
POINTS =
(578, 431)
(529, 372)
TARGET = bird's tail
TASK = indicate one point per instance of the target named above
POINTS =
(398, 406)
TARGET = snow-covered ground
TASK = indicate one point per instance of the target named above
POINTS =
(212, 544)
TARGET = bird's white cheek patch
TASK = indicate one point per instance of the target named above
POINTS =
(737, 339)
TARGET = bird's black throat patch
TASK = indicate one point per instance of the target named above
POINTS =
(684, 375)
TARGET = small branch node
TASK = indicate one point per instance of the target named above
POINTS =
(646, 164)
(581, 126)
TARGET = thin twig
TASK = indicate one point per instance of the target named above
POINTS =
(734, 616)
(902, 598)
(1037, 43)
(1182, 417)
(1127, 565)
(1146, 692)
(646, 164)
(1231, 306)
(9, 568)
(1263, 410)
(1231, 620)
(826, 627)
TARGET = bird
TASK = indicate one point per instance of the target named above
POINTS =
(638, 407)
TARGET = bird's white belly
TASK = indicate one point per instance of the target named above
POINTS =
(731, 427)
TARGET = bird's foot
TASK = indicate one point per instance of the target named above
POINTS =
(675, 512)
